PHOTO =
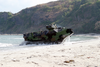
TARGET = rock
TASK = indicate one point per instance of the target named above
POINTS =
(66, 62)
(69, 61)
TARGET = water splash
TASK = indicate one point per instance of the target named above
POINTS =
(66, 40)
(5, 45)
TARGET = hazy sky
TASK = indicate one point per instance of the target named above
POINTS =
(15, 6)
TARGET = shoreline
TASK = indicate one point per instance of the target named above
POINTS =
(11, 34)
(81, 54)
(73, 34)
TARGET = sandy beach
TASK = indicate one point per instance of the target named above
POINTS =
(82, 54)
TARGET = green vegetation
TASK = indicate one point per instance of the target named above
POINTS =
(83, 16)
(47, 8)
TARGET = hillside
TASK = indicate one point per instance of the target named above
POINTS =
(83, 16)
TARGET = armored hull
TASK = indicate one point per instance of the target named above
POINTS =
(54, 35)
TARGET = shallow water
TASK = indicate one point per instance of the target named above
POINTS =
(11, 42)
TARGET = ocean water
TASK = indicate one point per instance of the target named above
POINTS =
(12, 42)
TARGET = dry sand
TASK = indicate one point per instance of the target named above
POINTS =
(83, 54)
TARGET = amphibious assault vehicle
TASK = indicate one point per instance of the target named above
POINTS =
(53, 35)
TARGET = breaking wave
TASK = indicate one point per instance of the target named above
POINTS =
(5, 45)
